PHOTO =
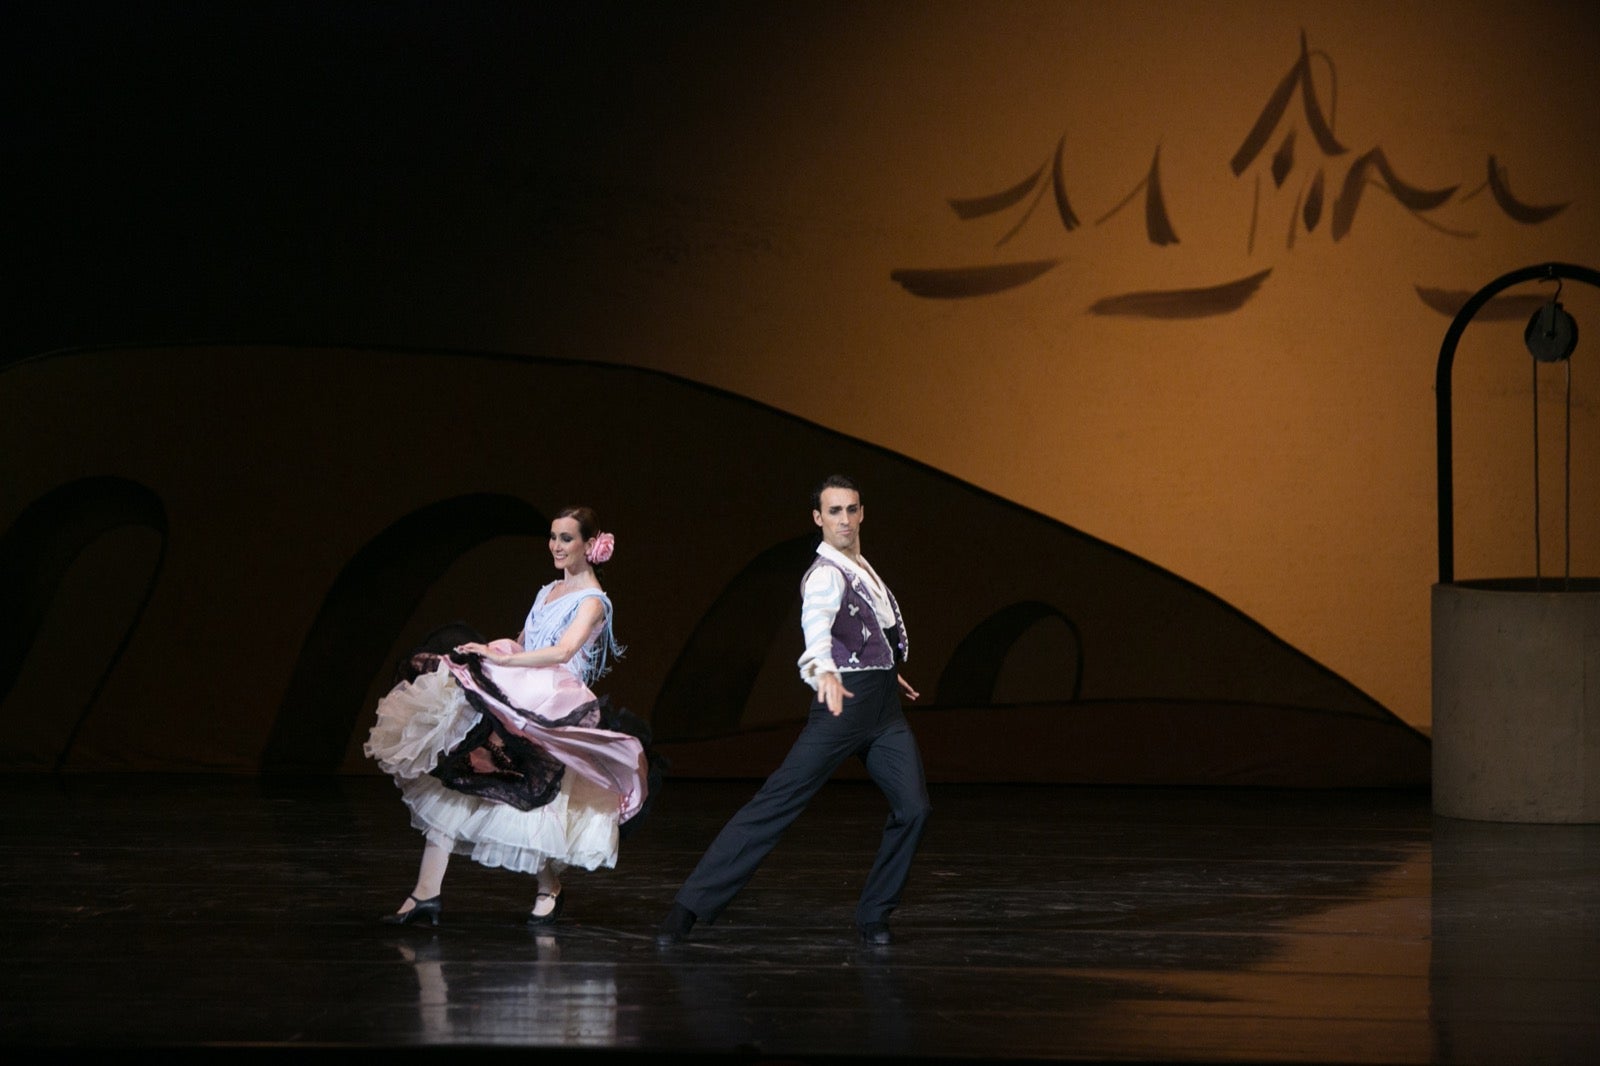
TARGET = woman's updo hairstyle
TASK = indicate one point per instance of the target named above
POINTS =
(588, 521)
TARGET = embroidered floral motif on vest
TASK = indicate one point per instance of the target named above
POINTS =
(858, 642)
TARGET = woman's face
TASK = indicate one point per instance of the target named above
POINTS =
(567, 545)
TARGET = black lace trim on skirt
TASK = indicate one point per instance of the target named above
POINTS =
(497, 765)
(515, 770)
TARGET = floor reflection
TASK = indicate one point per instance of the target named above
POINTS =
(748, 1001)
(1042, 925)
(537, 1001)
(1516, 942)
(1338, 963)
(1166, 954)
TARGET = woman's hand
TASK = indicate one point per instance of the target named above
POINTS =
(905, 686)
(484, 652)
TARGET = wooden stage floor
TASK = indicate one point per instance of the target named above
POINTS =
(191, 914)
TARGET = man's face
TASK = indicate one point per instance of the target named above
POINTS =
(840, 519)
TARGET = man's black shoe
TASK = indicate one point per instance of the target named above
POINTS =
(876, 933)
(675, 927)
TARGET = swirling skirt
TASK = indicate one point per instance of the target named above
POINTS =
(429, 731)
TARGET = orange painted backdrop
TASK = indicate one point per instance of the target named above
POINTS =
(735, 192)
(785, 163)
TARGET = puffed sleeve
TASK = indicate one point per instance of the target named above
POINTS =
(819, 603)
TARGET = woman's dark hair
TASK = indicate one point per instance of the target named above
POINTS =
(588, 521)
(832, 481)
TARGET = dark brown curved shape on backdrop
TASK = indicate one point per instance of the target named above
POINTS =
(1157, 223)
(363, 614)
(1412, 197)
(1175, 686)
(42, 545)
(1183, 303)
(969, 677)
(1449, 302)
(1058, 187)
(705, 691)
(1299, 76)
(1527, 214)
(978, 206)
(951, 282)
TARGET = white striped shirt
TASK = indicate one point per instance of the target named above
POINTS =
(819, 603)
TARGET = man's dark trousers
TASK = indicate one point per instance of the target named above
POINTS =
(871, 726)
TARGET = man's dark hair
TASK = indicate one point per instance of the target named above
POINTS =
(832, 481)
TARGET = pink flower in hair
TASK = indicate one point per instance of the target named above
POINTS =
(600, 548)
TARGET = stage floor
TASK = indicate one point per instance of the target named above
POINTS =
(1042, 924)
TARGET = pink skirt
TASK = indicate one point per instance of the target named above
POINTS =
(505, 764)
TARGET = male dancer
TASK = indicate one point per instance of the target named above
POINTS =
(855, 641)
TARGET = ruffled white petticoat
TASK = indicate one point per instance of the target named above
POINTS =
(421, 721)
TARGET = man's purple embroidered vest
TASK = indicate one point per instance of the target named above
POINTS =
(859, 643)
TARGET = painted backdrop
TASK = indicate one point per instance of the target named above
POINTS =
(1170, 276)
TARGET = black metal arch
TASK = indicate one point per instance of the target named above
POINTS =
(1441, 388)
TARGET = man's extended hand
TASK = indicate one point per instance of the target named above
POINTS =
(833, 693)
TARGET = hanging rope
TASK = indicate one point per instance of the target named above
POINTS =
(1540, 351)
(1538, 571)
(1566, 503)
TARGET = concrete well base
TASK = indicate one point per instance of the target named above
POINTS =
(1516, 700)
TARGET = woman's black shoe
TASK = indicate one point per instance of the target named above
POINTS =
(422, 909)
(555, 911)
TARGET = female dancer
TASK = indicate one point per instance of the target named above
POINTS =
(495, 747)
